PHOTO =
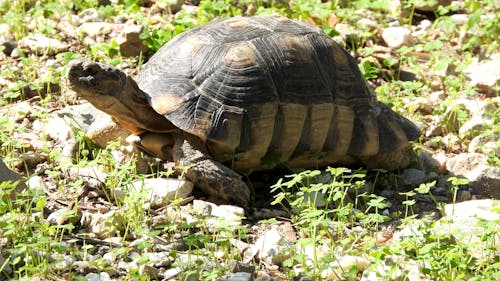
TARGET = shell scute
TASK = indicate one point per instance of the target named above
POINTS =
(270, 90)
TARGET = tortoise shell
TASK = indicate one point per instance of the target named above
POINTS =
(261, 91)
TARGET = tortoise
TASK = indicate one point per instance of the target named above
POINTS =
(245, 94)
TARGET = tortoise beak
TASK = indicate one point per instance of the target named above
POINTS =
(90, 78)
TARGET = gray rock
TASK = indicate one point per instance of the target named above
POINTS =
(5, 269)
(90, 15)
(396, 37)
(464, 195)
(465, 164)
(130, 42)
(415, 177)
(347, 34)
(483, 179)
(429, 162)
(9, 45)
(7, 175)
(409, 271)
(191, 9)
(368, 23)
(435, 129)
(242, 267)
(63, 262)
(472, 127)
(485, 144)
(162, 191)
(171, 6)
(69, 152)
(486, 182)
(30, 159)
(238, 276)
(424, 105)
(83, 267)
(93, 177)
(229, 212)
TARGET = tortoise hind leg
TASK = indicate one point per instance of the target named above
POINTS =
(207, 174)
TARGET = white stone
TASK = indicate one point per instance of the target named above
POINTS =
(105, 131)
(485, 75)
(160, 259)
(62, 216)
(5, 30)
(42, 44)
(471, 209)
(217, 214)
(381, 273)
(229, 212)
(460, 19)
(162, 191)
(56, 128)
(102, 276)
(397, 36)
(345, 263)
(473, 126)
(36, 183)
(461, 220)
(171, 273)
(92, 176)
(267, 246)
(93, 29)
(424, 6)
(103, 225)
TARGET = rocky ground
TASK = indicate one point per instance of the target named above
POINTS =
(459, 124)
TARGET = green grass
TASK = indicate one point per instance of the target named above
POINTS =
(345, 220)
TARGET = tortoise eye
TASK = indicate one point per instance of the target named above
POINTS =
(91, 69)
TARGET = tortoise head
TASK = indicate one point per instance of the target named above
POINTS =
(114, 92)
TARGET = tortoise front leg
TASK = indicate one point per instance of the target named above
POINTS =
(207, 174)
